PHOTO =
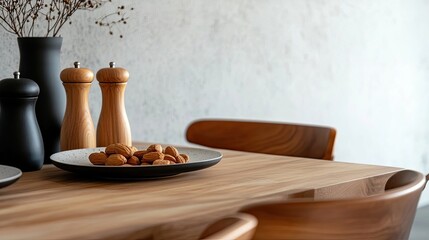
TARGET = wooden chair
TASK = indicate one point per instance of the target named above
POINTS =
(240, 226)
(388, 215)
(264, 137)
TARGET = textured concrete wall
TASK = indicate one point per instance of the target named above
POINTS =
(359, 66)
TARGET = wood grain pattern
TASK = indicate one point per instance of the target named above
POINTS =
(113, 75)
(54, 204)
(77, 75)
(77, 129)
(388, 215)
(113, 125)
(264, 137)
(239, 226)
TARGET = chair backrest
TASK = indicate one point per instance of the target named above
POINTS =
(388, 215)
(240, 226)
(264, 137)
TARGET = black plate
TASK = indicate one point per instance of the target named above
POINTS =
(77, 161)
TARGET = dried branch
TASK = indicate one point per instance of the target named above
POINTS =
(22, 17)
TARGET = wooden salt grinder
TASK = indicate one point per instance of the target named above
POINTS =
(77, 130)
(113, 125)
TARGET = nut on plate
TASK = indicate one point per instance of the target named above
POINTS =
(161, 162)
(185, 156)
(152, 156)
(171, 151)
(180, 159)
(119, 148)
(154, 148)
(98, 158)
(133, 160)
(140, 153)
(116, 160)
(169, 158)
(119, 154)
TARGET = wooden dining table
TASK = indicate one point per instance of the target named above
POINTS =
(56, 204)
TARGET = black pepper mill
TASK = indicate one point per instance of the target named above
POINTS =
(21, 143)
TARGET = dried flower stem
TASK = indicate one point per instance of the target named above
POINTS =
(21, 17)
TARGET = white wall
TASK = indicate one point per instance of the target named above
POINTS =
(361, 66)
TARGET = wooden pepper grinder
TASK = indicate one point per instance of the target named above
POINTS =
(113, 125)
(77, 130)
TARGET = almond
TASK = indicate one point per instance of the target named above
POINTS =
(119, 148)
(145, 164)
(140, 153)
(169, 158)
(161, 162)
(116, 160)
(171, 151)
(180, 159)
(185, 156)
(155, 148)
(133, 160)
(152, 156)
(98, 158)
(110, 149)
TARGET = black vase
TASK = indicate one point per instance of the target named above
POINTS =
(40, 61)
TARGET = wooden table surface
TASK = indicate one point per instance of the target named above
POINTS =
(55, 204)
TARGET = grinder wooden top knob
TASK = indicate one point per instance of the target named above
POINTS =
(113, 74)
(77, 74)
